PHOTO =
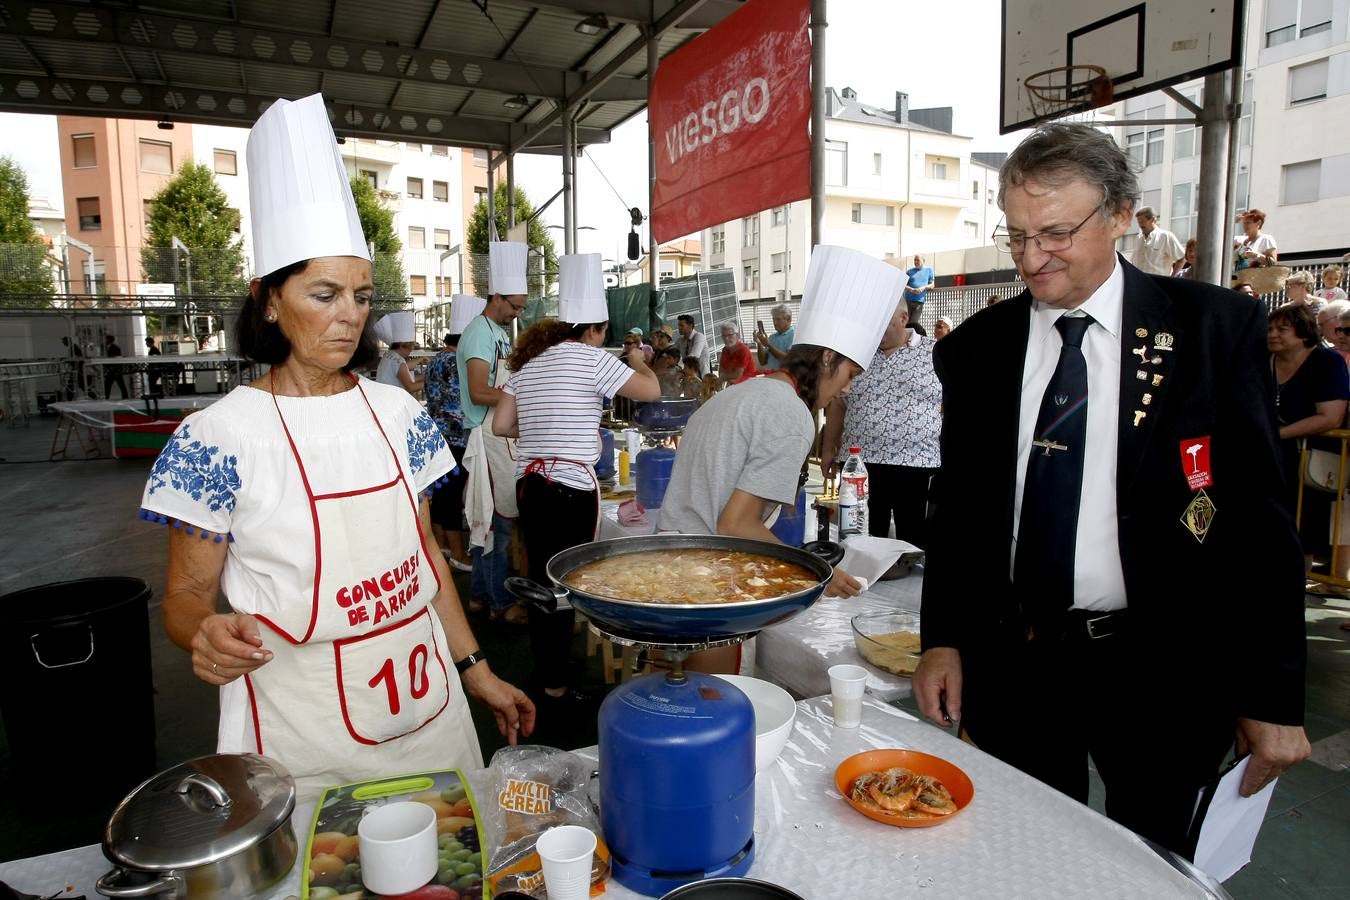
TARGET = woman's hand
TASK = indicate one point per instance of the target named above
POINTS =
(227, 646)
(512, 709)
(843, 584)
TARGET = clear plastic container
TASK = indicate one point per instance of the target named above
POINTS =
(850, 511)
(854, 472)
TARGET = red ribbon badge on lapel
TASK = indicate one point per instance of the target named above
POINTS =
(1195, 463)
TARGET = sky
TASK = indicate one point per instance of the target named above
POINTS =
(940, 53)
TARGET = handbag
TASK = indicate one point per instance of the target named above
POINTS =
(1322, 470)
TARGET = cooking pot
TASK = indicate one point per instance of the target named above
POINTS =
(680, 622)
(217, 826)
(731, 889)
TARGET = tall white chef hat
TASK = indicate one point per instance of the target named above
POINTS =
(298, 190)
(396, 328)
(581, 289)
(848, 302)
(507, 262)
(463, 310)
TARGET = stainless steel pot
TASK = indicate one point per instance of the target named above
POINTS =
(217, 826)
(731, 889)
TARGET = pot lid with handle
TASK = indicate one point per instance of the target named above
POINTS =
(199, 812)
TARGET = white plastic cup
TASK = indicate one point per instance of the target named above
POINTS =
(566, 853)
(398, 847)
(847, 685)
(633, 440)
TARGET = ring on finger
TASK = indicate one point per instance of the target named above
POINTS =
(215, 670)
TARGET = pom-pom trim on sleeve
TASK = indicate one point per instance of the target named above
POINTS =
(439, 483)
(188, 527)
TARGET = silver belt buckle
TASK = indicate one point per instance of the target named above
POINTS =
(1092, 627)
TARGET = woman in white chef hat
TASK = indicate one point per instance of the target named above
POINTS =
(553, 404)
(399, 331)
(742, 452)
(302, 497)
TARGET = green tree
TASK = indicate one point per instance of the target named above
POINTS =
(377, 226)
(537, 237)
(25, 273)
(193, 208)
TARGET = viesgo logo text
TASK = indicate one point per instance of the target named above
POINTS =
(718, 117)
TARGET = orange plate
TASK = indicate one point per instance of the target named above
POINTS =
(957, 782)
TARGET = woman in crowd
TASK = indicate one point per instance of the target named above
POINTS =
(1298, 288)
(1187, 269)
(344, 652)
(666, 365)
(1331, 284)
(553, 404)
(1254, 248)
(446, 408)
(1311, 389)
(397, 330)
(941, 328)
(742, 453)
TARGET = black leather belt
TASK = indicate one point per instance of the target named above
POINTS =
(1082, 625)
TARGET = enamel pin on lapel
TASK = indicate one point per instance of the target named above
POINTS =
(1199, 513)
(1141, 375)
(1139, 416)
(1148, 398)
(1162, 341)
(1157, 379)
(1142, 352)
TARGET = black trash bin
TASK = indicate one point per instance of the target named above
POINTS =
(75, 686)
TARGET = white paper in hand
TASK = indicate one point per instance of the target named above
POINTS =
(1231, 824)
(869, 558)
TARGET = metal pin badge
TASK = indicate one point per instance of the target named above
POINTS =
(1141, 375)
(1157, 380)
(1162, 341)
(1139, 415)
(1141, 352)
(1148, 398)
(1141, 332)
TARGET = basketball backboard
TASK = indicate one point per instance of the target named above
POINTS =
(1143, 45)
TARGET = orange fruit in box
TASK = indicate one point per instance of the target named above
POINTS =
(348, 848)
(326, 869)
(325, 842)
(442, 808)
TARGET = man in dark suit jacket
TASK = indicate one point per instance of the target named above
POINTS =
(1155, 610)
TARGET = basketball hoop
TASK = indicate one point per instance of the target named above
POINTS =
(1064, 89)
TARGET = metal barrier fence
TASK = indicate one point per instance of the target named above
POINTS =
(960, 303)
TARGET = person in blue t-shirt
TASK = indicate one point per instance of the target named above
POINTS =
(920, 280)
(773, 348)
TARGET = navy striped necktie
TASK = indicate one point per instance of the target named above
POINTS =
(1048, 529)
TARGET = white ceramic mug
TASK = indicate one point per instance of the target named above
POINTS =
(847, 684)
(398, 847)
(565, 852)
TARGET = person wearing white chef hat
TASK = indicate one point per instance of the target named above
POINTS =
(302, 498)
(446, 408)
(743, 451)
(399, 331)
(553, 404)
(490, 503)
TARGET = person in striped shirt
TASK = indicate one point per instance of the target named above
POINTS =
(553, 404)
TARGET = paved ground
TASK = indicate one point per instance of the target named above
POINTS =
(78, 519)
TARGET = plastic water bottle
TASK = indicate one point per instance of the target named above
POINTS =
(849, 508)
(855, 473)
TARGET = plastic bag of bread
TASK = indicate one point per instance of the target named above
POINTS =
(533, 789)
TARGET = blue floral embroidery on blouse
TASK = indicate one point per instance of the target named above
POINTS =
(424, 442)
(190, 466)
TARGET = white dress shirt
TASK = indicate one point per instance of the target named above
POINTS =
(1098, 578)
(1156, 253)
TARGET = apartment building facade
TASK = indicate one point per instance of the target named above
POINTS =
(898, 182)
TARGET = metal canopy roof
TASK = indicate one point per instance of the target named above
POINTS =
(436, 71)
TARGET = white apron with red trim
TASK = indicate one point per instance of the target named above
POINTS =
(361, 683)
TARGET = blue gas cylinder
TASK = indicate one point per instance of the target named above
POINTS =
(677, 781)
(791, 525)
(654, 466)
(604, 468)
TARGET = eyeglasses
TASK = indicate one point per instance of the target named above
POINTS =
(1342, 329)
(1047, 241)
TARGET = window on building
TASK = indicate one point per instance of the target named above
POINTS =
(370, 176)
(416, 148)
(238, 220)
(440, 286)
(972, 229)
(1308, 82)
(96, 278)
(227, 163)
(942, 168)
(1184, 147)
(1241, 198)
(1301, 182)
(91, 219)
(415, 188)
(750, 276)
(479, 195)
(719, 239)
(147, 210)
(876, 163)
(777, 261)
(417, 239)
(974, 190)
(156, 157)
(750, 231)
(1181, 222)
(778, 216)
(918, 217)
(440, 238)
(439, 150)
(85, 155)
(417, 285)
(836, 163)
(480, 157)
(1154, 153)
(1288, 20)
(666, 268)
(1134, 146)
(873, 214)
(989, 196)
(440, 190)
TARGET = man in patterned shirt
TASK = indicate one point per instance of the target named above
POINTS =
(893, 413)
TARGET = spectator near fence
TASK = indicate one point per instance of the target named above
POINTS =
(1159, 252)
(916, 289)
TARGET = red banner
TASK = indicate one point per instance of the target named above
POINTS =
(730, 112)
